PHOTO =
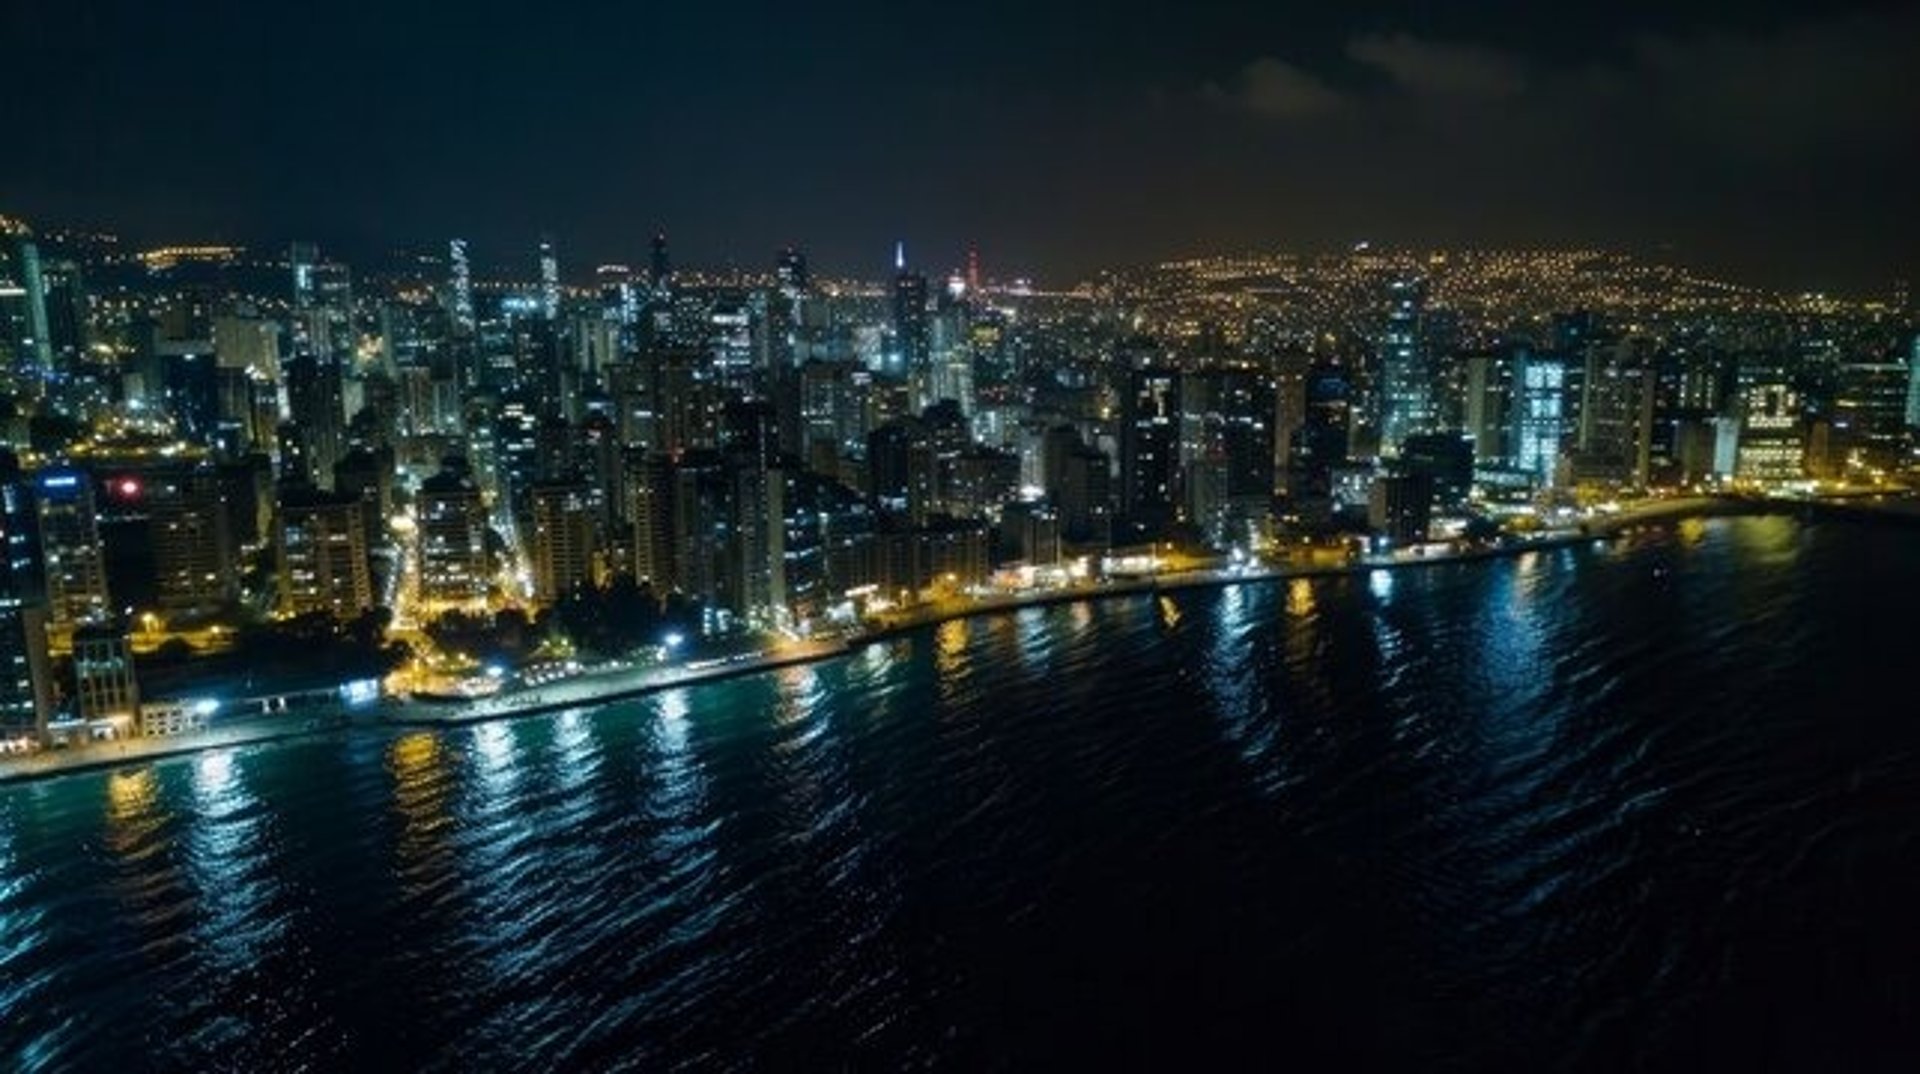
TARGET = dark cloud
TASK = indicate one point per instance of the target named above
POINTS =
(1273, 87)
(1438, 67)
(1777, 151)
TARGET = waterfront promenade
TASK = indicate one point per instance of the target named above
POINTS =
(595, 686)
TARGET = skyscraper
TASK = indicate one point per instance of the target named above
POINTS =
(1539, 423)
(1913, 384)
(315, 401)
(563, 538)
(26, 349)
(26, 679)
(75, 561)
(1406, 376)
(194, 553)
(321, 553)
(910, 338)
(660, 267)
(791, 271)
(453, 537)
(460, 286)
(1150, 453)
(549, 279)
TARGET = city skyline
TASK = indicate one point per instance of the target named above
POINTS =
(1767, 142)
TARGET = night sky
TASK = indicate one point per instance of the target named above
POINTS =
(1776, 142)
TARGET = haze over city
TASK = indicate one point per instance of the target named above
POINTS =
(1770, 141)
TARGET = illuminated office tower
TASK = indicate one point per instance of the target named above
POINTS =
(619, 298)
(64, 297)
(460, 286)
(249, 344)
(452, 521)
(902, 469)
(549, 280)
(1227, 453)
(1769, 441)
(1488, 406)
(194, 552)
(659, 266)
(1613, 436)
(1869, 415)
(911, 345)
(1539, 425)
(563, 538)
(949, 374)
(760, 549)
(315, 401)
(70, 549)
(650, 494)
(1150, 454)
(791, 272)
(1913, 384)
(320, 545)
(730, 344)
(1406, 375)
(26, 677)
(26, 349)
(322, 320)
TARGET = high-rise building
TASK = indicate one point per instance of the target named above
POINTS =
(460, 287)
(1613, 438)
(1406, 374)
(1538, 414)
(1399, 507)
(659, 266)
(194, 553)
(911, 343)
(71, 550)
(26, 348)
(1320, 444)
(564, 542)
(64, 295)
(760, 527)
(320, 550)
(452, 524)
(1767, 430)
(549, 280)
(1488, 407)
(1869, 415)
(791, 272)
(650, 489)
(1150, 492)
(902, 469)
(1913, 384)
(26, 679)
(26, 675)
(315, 400)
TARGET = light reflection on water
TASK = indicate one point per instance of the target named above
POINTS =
(1232, 682)
(230, 866)
(416, 764)
(1474, 816)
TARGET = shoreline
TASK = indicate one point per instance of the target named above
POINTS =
(593, 689)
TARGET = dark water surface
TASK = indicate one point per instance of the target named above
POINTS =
(1654, 806)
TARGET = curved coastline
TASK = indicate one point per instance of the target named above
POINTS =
(594, 689)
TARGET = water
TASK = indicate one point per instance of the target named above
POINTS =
(1645, 807)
